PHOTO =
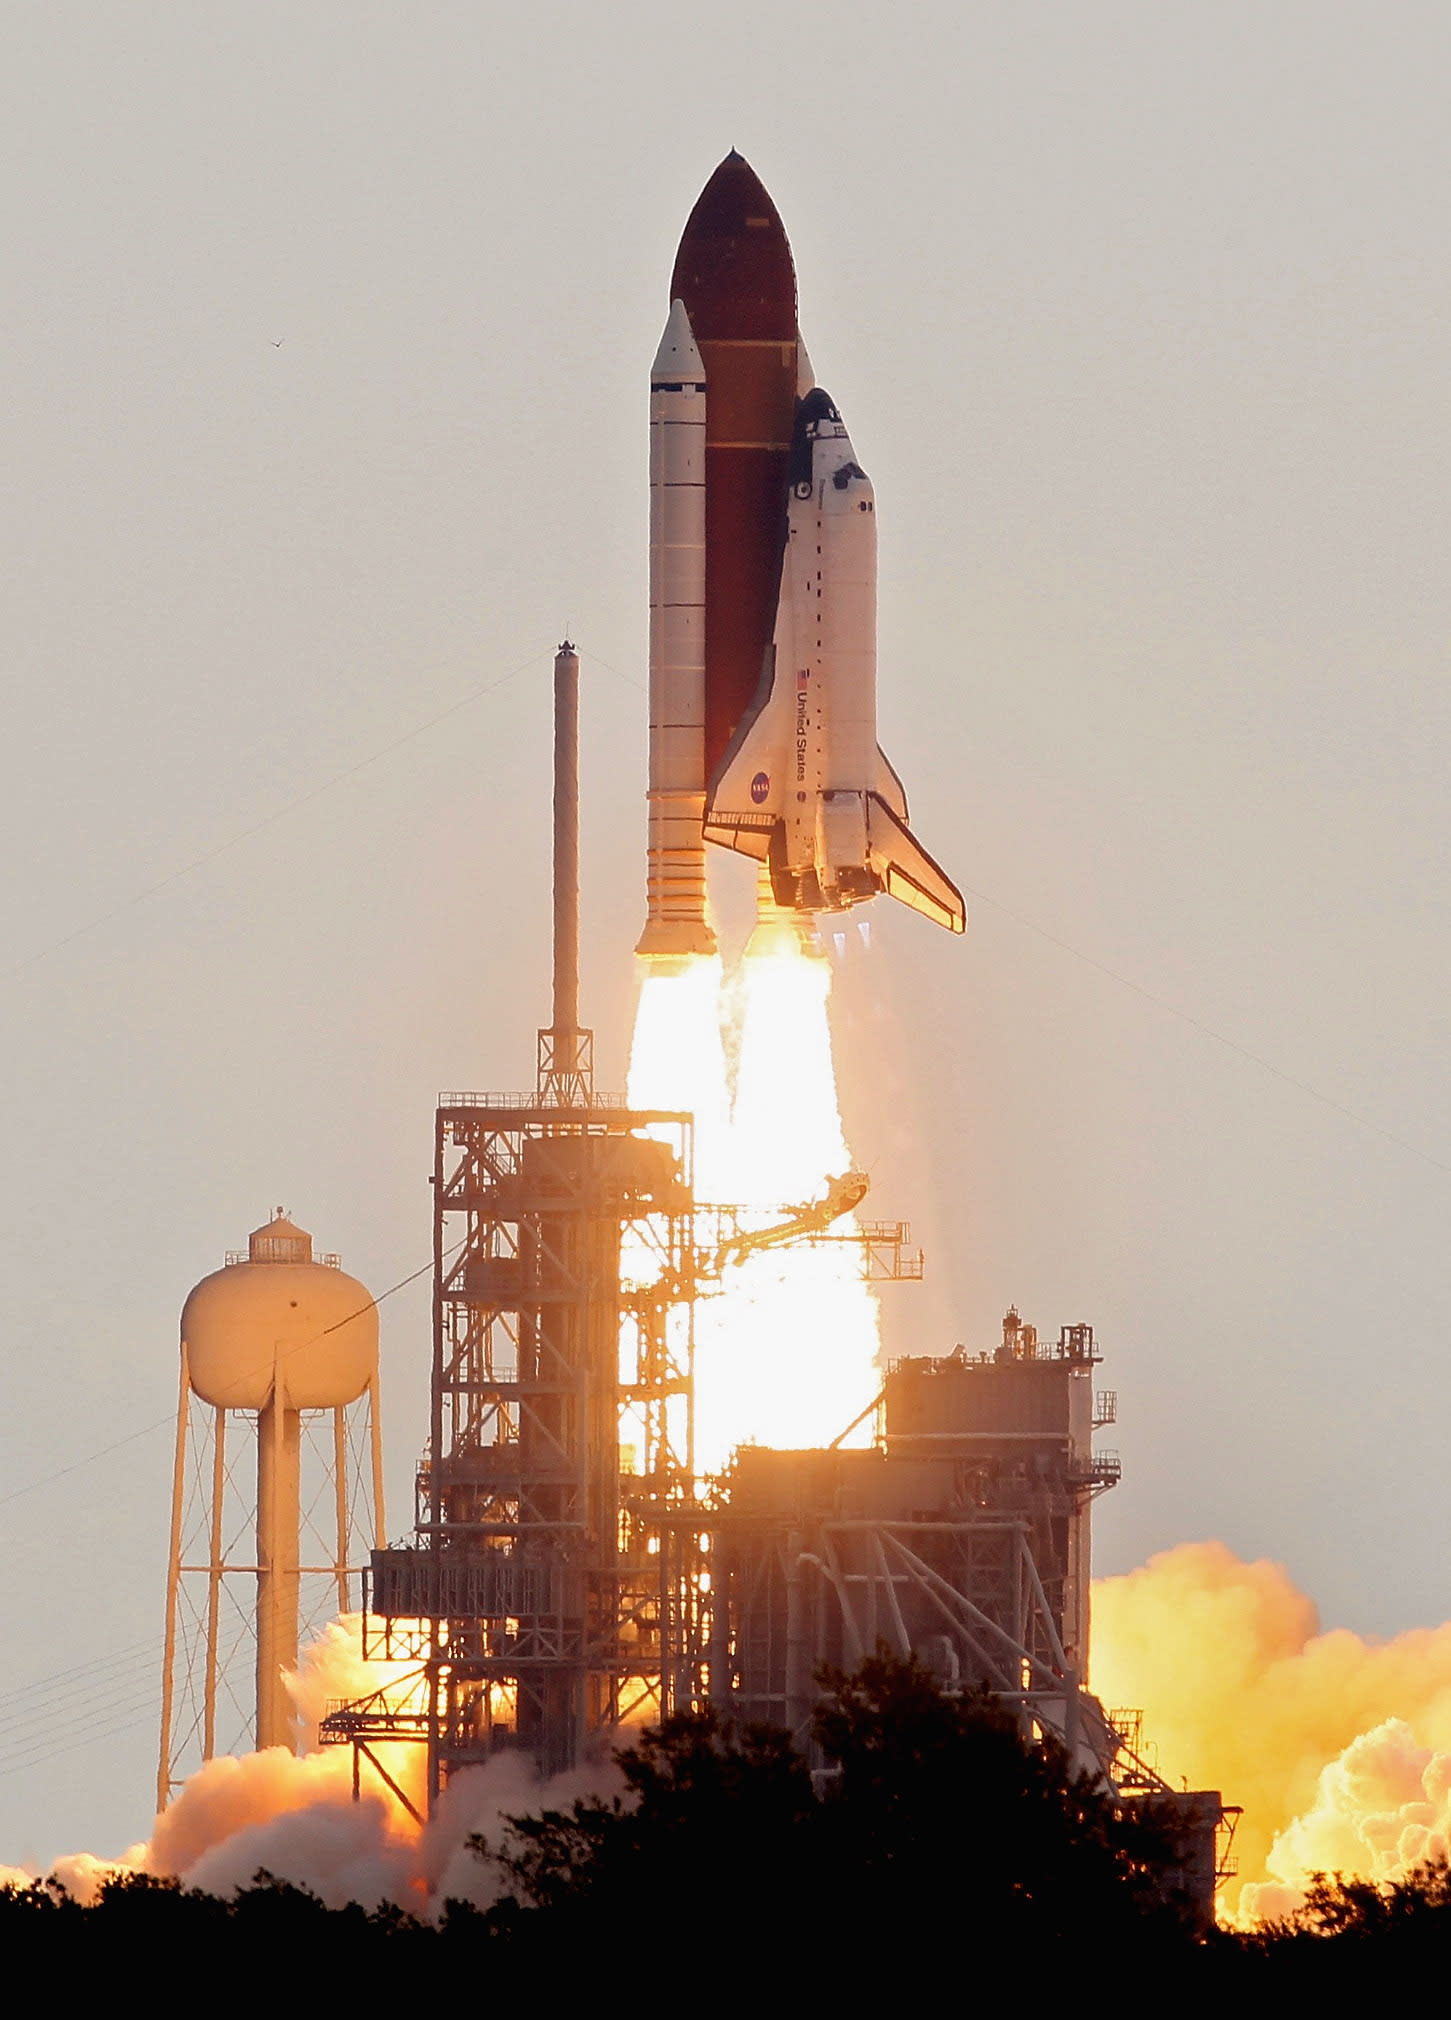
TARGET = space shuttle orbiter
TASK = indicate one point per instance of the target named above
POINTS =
(804, 786)
(763, 560)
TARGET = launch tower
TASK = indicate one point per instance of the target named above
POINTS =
(551, 1593)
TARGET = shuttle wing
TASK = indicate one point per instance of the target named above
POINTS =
(908, 872)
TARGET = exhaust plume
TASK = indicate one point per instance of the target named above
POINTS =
(1339, 1748)
(787, 1341)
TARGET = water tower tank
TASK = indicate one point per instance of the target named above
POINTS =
(277, 1337)
(281, 1327)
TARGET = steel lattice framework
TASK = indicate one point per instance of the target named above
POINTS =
(554, 1593)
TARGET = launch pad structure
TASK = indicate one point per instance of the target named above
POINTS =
(960, 1537)
(553, 1594)
(550, 1595)
(568, 1580)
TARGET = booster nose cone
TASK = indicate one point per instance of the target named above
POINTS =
(677, 362)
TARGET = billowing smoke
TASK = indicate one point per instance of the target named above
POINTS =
(1338, 1748)
(294, 1816)
(1381, 1808)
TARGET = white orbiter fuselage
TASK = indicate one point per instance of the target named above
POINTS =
(804, 787)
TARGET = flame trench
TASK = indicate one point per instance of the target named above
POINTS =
(787, 1341)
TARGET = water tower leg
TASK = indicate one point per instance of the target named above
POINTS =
(375, 1436)
(341, 1486)
(278, 1522)
(173, 1577)
(215, 1544)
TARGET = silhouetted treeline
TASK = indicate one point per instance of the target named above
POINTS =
(938, 1842)
(936, 1820)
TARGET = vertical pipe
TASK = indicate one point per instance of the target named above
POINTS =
(667, 1639)
(173, 1579)
(278, 1522)
(340, 1496)
(214, 1579)
(1072, 1717)
(566, 845)
(796, 1706)
(718, 1642)
(437, 1506)
(375, 1439)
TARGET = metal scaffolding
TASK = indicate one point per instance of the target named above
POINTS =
(962, 1538)
(549, 1594)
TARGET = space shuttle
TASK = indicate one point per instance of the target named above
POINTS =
(804, 787)
(763, 568)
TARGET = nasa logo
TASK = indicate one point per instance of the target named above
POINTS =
(760, 786)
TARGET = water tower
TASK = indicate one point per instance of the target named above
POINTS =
(277, 1494)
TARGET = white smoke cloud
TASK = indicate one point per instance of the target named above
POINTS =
(295, 1817)
(1339, 1749)
(1335, 1745)
(1381, 1808)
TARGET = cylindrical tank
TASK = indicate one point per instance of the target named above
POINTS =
(676, 925)
(280, 1322)
(734, 274)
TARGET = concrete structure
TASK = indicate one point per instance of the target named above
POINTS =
(286, 1345)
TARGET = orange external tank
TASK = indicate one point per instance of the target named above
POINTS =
(734, 274)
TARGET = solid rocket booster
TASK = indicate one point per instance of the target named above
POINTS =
(676, 925)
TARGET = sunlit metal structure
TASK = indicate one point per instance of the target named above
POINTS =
(962, 1535)
(570, 1577)
(552, 1593)
(961, 1538)
(548, 1592)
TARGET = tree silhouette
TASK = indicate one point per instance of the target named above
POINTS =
(933, 1812)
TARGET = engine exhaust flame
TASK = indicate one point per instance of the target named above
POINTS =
(787, 1343)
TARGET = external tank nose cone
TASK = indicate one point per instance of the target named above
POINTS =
(733, 270)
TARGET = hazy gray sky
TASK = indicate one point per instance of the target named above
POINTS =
(325, 346)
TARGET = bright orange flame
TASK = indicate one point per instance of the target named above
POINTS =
(787, 1345)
